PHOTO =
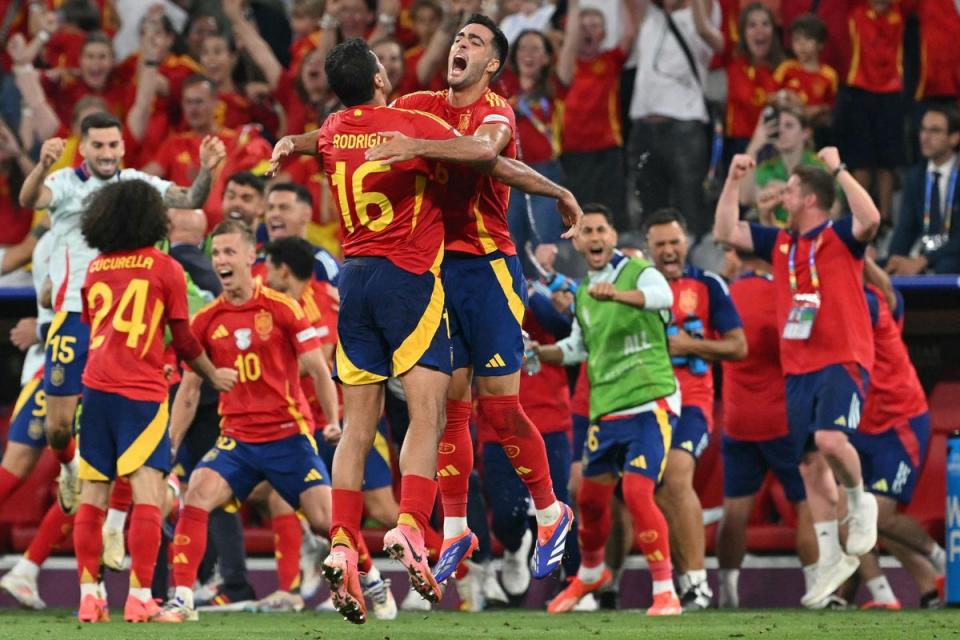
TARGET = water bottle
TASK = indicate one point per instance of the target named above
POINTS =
(677, 361)
(531, 361)
(694, 326)
(953, 519)
(559, 282)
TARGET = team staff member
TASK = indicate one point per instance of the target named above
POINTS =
(825, 345)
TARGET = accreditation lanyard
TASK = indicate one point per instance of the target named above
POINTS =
(804, 306)
(946, 211)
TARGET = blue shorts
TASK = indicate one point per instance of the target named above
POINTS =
(390, 320)
(691, 433)
(633, 444)
(65, 355)
(486, 298)
(891, 460)
(119, 435)
(580, 426)
(827, 399)
(291, 466)
(745, 464)
(377, 472)
(29, 412)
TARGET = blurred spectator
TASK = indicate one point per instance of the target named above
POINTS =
(38, 120)
(531, 86)
(14, 166)
(667, 151)
(134, 12)
(592, 142)
(188, 228)
(525, 15)
(390, 52)
(924, 238)
(868, 124)
(834, 14)
(939, 53)
(305, 22)
(750, 81)
(218, 56)
(811, 81)
(64, 47)
(95, 76)
(199, 27)
(426, 18)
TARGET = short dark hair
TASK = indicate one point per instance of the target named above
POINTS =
(666, 215)
(598, 208)
(350, 69)
(294, 252)
(100, 120)
(500, 43)
(300, 191)
(810, 26)
(247, 179)
(949, 112)
(819, 182)
(82, 14)
(125, 215)
(228, 227)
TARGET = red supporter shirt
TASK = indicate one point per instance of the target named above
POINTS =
(841, 332)
(387, 212)
(939, 50)
(836, 50)
(475, 207)
(15, 221)
(320, 310)
(876, 60)
(580, 403)
(748, 86)
(128, 297)
(410, 82)
(68, 89)
(591, 108)
(302, 117)
(232, 110)
(538, 121)
(262, 339)
(754, 394)
(703, 295)
(815, 88)
(895, 394)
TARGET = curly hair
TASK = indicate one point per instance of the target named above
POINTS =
(123, 216)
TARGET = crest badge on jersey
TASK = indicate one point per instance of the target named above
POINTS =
(243, 338)
(464, 123)
(35, 429)
(58, 375)
(688, 301)
(263, 323)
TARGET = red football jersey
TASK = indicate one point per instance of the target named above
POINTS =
(895, 393)
(127, 298)
(262, 339)
(320, 307)
(591, 113)
(392, 212)
(748, 86)
(580, 403)
(815, 88)
(876, 63)
(939, 54)
(475, 207)
(754, 393)
(538, 119)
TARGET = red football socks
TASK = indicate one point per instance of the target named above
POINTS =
(455, 460)
(649, 525)
(417, 497)
(54, 528)
(346, 516)
(88, 542)
(189, 545)
(287, 536)
(144, 541)
(10, 482)
(522, 443)
(364, 559)
(432, 540)
(121, 496)
(594, 502)
(67, 454)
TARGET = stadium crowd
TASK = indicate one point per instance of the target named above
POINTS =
(749, 174)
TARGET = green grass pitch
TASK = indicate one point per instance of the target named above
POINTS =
(501, 625)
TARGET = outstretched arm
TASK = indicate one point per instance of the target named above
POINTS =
(212, 153)
(302, 144)
(866, 216)
(727, 227)
(520, 176)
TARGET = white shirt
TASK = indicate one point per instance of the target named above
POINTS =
(72, 255)
(665, 85)
(943, 183)
(516, 23)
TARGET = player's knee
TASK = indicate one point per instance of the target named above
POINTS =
(205, 491)
(831, 443)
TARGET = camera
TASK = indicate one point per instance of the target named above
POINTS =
(771, 120)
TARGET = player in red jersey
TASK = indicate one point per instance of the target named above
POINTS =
(267, 430)
(826, 349)
(131, 293)
(486, 293)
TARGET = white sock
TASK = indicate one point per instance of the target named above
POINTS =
(880, 590)
(828, 541)
(855, 496)
(184, 595)
(661, 586)
(546, 517)
(89, 589)
(142, 594)
(25, 568)
(683, 582)
(590, 574)
(809, 576)
(73, 466)
(696, 577)
(116, 519)
(453, 527)
(729, 593)
(372, 576)
(938, 558)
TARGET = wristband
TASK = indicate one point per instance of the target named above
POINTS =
(43, 36)
(329, 22)
(840, 167)
(20, 69)
(386, 20)
(151, 63)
